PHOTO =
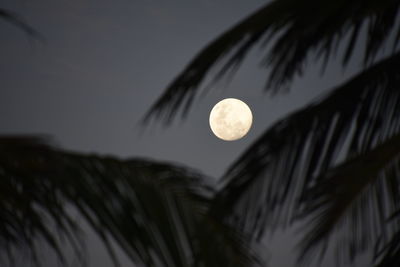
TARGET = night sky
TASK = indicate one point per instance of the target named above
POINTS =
(100, 65)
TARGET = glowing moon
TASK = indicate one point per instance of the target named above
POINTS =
(230, 119)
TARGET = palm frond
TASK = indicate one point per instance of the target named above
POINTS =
(156, 212)
(388, 254)
(297, 29)
(264, 184)
(351, 203)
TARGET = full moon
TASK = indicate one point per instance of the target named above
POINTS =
(230, 119)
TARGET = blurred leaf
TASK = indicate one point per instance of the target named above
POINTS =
(156, 212)
(388, 254)
(14, 19)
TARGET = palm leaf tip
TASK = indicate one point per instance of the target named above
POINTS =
(14, 19)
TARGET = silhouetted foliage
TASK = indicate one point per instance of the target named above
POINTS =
(387, 255)
(308, 142)
(333, 164)
(156, 212)
(301, 29)
(311, 165)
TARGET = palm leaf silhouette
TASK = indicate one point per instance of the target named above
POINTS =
(269, 183)
(296, 29)
(388, 253)
(156, 212)
(359, 196)
(268, 178)
(309, 165)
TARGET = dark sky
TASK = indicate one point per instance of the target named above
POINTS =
(101, 65)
